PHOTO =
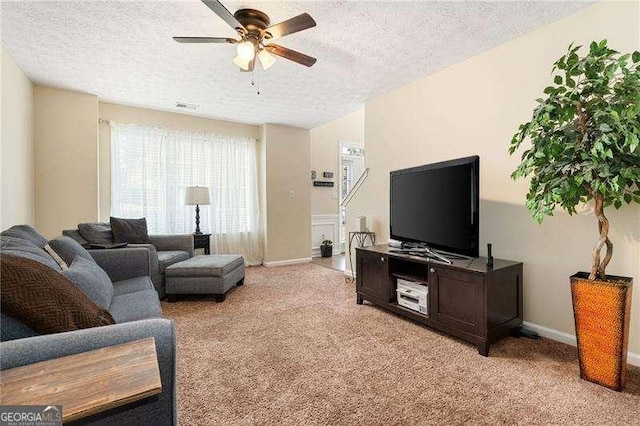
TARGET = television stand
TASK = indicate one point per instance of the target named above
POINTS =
(466, 299)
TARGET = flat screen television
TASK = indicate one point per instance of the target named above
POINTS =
(437, 205)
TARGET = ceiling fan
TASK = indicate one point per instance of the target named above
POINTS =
(255, 29)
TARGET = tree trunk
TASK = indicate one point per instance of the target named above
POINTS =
(597, 267)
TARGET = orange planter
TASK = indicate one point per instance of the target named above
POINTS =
(602, 311)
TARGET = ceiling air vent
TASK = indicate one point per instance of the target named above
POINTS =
(184, 105)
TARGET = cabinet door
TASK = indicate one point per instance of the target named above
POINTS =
(372, 276)
(458, 298)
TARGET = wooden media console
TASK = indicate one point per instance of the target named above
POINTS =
(467, 299)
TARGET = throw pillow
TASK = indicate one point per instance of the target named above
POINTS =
(24, 248)
(132, 231)
(44, 299)
(92, 280)
(25, 232)
(96, 233)
(60, 261)
(68, 248)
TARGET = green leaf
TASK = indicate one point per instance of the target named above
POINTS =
(624, 58)
(635, 57)
(571, 82)
(557, 79)
(604, 127)
(549, 90)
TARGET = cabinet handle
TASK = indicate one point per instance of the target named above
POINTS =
(432, 270)
(382, 259)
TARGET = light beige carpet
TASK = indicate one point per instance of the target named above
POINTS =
(291, 346)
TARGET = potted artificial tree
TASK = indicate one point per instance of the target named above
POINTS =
(585, 137)
(326, 248)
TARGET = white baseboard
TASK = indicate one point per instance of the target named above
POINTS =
(559, 336)
(287, 262)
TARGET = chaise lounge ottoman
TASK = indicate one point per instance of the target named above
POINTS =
(206, 274)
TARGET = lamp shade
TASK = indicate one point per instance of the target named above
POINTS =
(196, 195)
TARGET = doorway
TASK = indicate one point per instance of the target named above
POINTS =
(351, 167)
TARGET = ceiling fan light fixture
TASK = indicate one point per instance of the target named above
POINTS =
(266, 59)
(246, 50)
(242, 63)
(254, 27)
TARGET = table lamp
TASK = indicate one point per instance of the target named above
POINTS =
(196, 195)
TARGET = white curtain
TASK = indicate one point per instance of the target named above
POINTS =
(151, 168)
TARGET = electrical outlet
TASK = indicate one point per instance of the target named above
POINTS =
(292, 193)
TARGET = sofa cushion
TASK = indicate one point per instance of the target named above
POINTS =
(166, 258)
(135, 306)
(45, 300)
(11, 329)
(91, 280)
(26, 249)
(132, 231)
(68, 248)
(96, 233)
(25, 232)
(132, 285)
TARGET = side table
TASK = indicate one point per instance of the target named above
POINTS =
(202, 241)
(361, 238)
(86, 383)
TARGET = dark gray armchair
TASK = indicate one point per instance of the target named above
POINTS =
(163, 251)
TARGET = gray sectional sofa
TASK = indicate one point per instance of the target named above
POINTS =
(133, 303)
(164, 250)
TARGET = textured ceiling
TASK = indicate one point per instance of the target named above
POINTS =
(123, 51)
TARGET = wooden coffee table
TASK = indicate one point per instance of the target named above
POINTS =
(86, 383)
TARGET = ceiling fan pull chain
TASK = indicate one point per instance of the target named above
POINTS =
(253, 81)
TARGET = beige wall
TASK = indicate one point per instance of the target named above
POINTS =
(150, 117)
(285, 155)
(66, 159)
(474, 107)
(325, 151)
(17, 192)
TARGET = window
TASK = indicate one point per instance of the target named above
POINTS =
(151, 168)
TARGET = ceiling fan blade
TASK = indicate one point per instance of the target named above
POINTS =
(290, 26)
(223, 13)
(291, 55)
(204, 40)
